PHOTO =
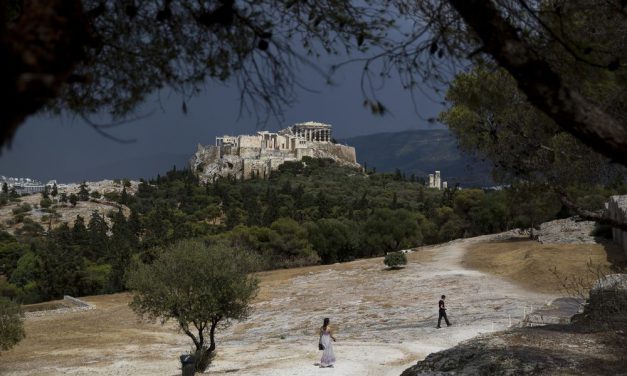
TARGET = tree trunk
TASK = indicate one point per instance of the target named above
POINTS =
(543, 86)
(601, 217)
(212, 330)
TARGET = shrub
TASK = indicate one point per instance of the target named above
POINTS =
(45, 203)
(24, 208)
(395, 260)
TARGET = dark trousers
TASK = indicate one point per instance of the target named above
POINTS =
(443, 314)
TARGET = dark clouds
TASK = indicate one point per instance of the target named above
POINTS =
(69, 150)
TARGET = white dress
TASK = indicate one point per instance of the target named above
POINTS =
(328, 356)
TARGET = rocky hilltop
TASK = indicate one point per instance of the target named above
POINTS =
(249, 156)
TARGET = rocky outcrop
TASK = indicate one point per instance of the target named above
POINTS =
(573, 349)
(607, 304)
(568, 230)
(226, 161)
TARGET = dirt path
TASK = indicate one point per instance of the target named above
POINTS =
(384, 321)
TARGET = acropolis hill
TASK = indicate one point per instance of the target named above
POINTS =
(247, 156)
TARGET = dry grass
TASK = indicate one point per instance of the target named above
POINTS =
(55, 339)
(529, 263)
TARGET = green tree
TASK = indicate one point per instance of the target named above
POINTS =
(83, 192)
(80, 237)
(124, 197)
(45, 203)
(60, 269)
(332, 239)
(98, 246)
(46, 192)
(10, 252)
(26, 268)
(122, 241)
(391, 230)
(197, 286)
(290, 245)
(11, 325)
(55, 190)
(73, 199)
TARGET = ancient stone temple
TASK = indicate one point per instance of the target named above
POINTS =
(247, 156)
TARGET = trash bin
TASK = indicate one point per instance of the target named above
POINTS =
(188, 365)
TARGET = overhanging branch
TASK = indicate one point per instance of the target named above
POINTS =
(601, 217)
(543, 86)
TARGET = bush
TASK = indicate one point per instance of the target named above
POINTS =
(395, 260)
(22, 209)
(45, 203)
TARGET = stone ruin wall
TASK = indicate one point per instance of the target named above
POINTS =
(248, 159)
(617, 208)
(342, 152)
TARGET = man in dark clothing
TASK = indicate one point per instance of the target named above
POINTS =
(442, 308)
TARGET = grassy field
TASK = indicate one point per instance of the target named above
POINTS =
(545, 267)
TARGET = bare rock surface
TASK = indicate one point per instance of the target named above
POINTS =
(593, 344)
(384, 321)
(568, 230)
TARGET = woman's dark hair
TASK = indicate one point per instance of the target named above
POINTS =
(443, 296)
(325, 322)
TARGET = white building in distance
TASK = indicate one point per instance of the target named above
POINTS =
(435, 181)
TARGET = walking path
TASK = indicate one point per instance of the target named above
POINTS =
(384, 321)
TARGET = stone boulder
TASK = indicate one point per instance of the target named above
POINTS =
(568, 230)
(607, 304)
(487, 355)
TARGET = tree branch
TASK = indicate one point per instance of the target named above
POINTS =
(543, 86)
(601, 217)
(38, 52)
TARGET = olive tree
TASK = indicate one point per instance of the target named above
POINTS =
(198, 286)
(11, 325)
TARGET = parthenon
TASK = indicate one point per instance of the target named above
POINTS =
(312, 131)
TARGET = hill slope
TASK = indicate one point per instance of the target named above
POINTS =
(421, 152)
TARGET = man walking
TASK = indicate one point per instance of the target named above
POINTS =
(442, 308)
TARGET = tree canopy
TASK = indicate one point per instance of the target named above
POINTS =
(91, 56)
(11, 325)
(197, 286)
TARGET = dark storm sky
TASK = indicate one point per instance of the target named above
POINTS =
(69, 150)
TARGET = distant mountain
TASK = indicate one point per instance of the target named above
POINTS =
(141, 167)
(421, 152)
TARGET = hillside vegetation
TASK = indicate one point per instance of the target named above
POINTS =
(309, 212)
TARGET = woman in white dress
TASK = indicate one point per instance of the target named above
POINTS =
(326, 344)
